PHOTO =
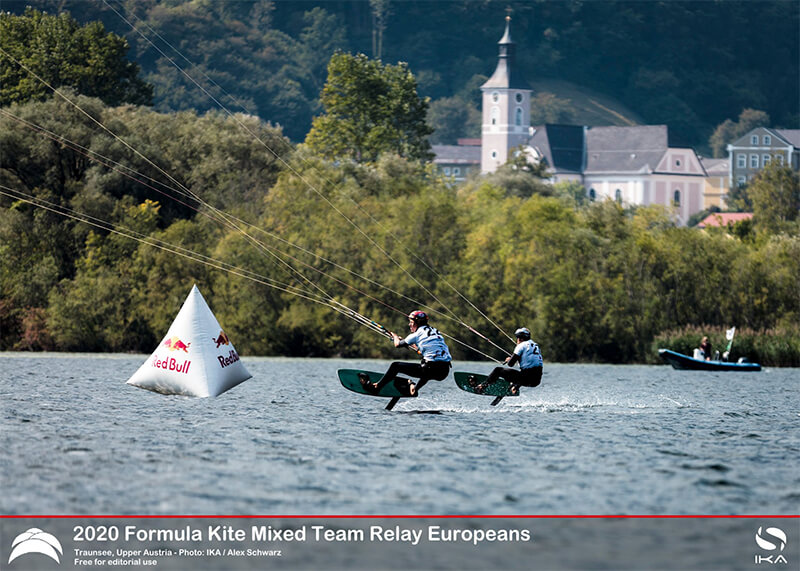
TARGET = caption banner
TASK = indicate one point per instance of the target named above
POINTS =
(177, 543)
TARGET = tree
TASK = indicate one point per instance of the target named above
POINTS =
(775, 193)
(547, 108)
(380, 13)
(62, 53)
(452, 118)
(728, 131)
(370, 109)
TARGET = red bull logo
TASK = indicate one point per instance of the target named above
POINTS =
(229, 360)
(222, 339)
(171, 364)
(175, 344)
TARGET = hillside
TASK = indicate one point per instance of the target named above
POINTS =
(591, 108)
(689, 65)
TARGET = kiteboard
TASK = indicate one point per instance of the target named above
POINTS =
(476, 384)
(397, 389)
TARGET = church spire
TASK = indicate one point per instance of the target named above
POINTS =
(506, 108)
(507, 74)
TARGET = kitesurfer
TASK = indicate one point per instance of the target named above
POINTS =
(531, 364)
(436, 359)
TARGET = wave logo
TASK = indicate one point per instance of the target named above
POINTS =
(774, 533)
(771, 539)
(36, 541)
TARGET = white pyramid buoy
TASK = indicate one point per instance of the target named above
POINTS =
(195, 358)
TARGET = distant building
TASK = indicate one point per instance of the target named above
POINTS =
(724, 219)
(459, 161)
(752, 152)
(506, 103)
(717, 183)
(636, 165)
(632, 165)
(562, 148)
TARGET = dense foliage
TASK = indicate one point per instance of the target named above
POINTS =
(39, 52)
(593, 281)
(690, 65)
(109, 212)
(370, 109)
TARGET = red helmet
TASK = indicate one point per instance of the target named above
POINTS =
(418, 317)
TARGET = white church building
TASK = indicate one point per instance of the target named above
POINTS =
(632, 165)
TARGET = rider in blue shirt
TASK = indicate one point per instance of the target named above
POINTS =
(430, 344)
(530, 360)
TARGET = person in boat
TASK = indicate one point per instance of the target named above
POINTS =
(436, 359)
(705, 347)
(531, 364)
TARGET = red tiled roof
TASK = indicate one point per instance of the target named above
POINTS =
(724, 218)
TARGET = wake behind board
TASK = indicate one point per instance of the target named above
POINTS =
(395, 390)
(473, 383)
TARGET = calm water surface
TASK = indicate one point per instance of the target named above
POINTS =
(592, 439)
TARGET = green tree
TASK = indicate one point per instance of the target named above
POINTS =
(370, 109)
(62, 53)
(728, 131)
(521, 175)
(547, 108)
(571, 191)
(775, 194)
(452, 118)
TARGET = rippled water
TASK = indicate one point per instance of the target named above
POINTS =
(591, 439)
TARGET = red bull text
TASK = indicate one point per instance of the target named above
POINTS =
(229, 360)
(171, 364)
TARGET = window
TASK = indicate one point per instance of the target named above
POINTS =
(767, 140)
(754, 140)
(592, 194)
(780, 159)
(456, 171)
(495, 96)
(753, 161)
(676, 198)
(518, 117)
(446, 170)
(495, 115)
(618, 196)
(677, 162)
(741, 180)
(518, 97)
(765, 160)
(741, 160)
(494, 154)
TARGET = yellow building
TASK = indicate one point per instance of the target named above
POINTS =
(717, 183)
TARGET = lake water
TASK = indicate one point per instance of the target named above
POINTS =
(592, 439)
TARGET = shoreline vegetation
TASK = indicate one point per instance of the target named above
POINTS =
(594, 281)
(111, 210)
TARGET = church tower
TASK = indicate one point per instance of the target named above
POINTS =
(506, 108)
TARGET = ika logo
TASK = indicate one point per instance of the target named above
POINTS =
(771, 539)
(36, 541)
